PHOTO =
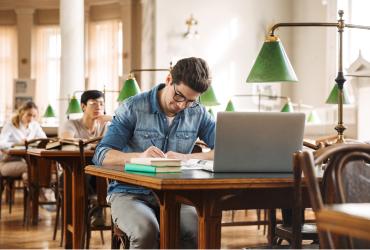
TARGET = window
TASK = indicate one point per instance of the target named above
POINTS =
(46, 66)
(8, 69)
(356, 12)
(105, 59)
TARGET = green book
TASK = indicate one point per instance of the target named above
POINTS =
(150, 169)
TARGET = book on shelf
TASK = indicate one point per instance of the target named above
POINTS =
(151, 169)
(158, 162)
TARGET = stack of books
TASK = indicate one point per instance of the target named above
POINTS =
(154, 165)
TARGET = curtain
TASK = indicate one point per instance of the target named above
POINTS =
(8, 69)
(105, 59)
(46, 66)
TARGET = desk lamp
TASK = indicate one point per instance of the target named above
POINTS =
(272, 63)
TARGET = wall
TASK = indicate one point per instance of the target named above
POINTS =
(314, 52)
(231, 34)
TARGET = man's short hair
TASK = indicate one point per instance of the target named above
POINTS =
(90, 94)
(193, 72)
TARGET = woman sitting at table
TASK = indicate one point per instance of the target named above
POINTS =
(92, 124)
(23, 126)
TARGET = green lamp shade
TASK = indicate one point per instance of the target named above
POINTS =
(74, 106)
(313, 117)
(210, 111)
(208, 98)
(272, 65)
(130, 88)
(333, 97)
(230, 107)
(49, 112)
(288, 107)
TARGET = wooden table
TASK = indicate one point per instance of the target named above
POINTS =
(74, 201)
(350, 219)
(16, 152)
(209, 193)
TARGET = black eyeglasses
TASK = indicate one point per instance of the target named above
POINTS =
(178, 97)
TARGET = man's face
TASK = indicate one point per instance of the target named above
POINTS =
(179, 97)
(94, 107)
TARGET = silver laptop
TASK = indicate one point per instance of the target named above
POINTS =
(257, 142)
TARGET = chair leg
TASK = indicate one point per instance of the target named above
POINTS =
(258, 211)
(56, 219)
(119, 238)
(1, 192)
(25, 210)
(11, 195)
(264, 218)
(102, 237)
(62, 224)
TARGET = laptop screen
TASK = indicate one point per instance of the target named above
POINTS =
(257, 142)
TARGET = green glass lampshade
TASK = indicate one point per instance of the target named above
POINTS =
(288, 107)
(49, 112)
(130, 88)
(272, 64)
(313, 117)
(74, 106)
(230, 107)
(333, 97)
(208, 98)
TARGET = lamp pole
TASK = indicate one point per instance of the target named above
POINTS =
(340, 80)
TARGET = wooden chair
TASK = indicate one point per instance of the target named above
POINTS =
(308, 231)
(345, 180)
(119, 238)
(7, 183)
(44, 176)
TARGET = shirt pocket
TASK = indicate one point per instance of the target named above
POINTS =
(146, 138)
(185, 141)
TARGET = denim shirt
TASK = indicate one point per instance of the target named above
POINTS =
(139, 123)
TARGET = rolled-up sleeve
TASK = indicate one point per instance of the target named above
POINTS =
(118, 134)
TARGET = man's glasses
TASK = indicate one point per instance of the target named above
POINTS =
(178, 97)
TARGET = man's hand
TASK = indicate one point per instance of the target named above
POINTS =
(104, 119)
(153, 151)
(175, 155)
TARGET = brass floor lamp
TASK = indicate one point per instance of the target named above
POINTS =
(273, 65)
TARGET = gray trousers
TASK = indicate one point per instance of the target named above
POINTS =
(136, 215)
(13, 168)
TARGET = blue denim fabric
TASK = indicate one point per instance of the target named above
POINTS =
(139, 123)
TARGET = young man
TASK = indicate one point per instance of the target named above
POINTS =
(164, 122)
(92, 124)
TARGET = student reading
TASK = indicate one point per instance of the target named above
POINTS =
(165, 121)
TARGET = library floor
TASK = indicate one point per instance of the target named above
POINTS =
(14, 235)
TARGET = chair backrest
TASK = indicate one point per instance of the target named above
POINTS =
(101, 184)
(345, 179)
(82, 146)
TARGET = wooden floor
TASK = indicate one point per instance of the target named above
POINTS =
(14, 235)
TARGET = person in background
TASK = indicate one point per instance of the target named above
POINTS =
(164, 122)
(23, 126)
(92, 124)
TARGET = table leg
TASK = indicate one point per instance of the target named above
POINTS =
(67, 198)
(209, 231)
(78, 205)
(169, 220)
